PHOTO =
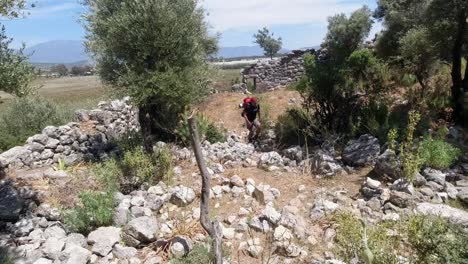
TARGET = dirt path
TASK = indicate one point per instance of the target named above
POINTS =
(223, 108)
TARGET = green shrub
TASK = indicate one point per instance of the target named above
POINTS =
(434, 240)
(293, 127)
(164, 165)
(96, 210)
(349, 240)
(134, 168)
(438, 154)
(138, 167)
(129, 141)
(108, 173)
(206, 129)
(25, 117)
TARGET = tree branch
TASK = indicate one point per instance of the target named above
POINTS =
(213, 228)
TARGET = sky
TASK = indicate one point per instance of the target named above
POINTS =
(300, 23)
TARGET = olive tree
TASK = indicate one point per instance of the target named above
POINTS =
(15, 71)
(425, 32)
(342, 74)
(268, 43)
(156, 52)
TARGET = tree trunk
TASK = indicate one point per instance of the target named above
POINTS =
(457, 81)
(213, 228)
(144, 118)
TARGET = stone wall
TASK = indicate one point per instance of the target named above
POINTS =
(88, 139)
(276, 73)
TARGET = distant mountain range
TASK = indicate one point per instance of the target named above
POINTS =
(58, 51)
(72, 52)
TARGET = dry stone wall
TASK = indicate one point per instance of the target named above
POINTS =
(88, 139)
(272, 74)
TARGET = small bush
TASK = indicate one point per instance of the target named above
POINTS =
(438, 154)
(25, 117)
(164, 165)
(136, 168)
(293, 127)
(108, 174)
(200, 253)
(350, 245)
(96, 210)
(129, 141)
(434, 240)
(206, 129)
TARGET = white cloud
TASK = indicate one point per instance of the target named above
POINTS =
(248, 14)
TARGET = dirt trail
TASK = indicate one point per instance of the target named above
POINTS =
(224, 107)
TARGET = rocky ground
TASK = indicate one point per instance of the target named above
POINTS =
(274, 207)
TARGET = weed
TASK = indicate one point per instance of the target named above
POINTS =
(96, 210)
(434, 240)
(438, 154)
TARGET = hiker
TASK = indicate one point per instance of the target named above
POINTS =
(250, 111)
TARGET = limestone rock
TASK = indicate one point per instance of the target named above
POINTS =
(143, 229)
(103, 240)
(362, 151)
(182, 196)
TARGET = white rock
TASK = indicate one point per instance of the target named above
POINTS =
(103, 240)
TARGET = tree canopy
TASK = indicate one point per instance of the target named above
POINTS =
(156, 51)
(15, 71)
(268, 42)
(419, 34)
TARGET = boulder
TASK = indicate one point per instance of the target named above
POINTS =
(11, 203)
(122, 252)
(47, 211)
(103, 240)
(182, 196)
(454, 215)
(181, 245)
(324, 164)
(387, 165)
(362, 151)
(401, 199)
(77, 255)
(55, 231)
(53, 247)
(143, 229)
(463, 195)
(435, 176)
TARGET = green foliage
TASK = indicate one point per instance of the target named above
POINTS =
(96, 210)
(438, 154)
(419, 34)
(344, 82)
(12, 8)
(139, 167)
(161, 62)
(25, 117)
(350, 244)
(108, 174)
(409, 156)
(164, 165)
(409, 151)
(200, 253)
(434, 240)
(294, 127)
(134, 168)
(268, 42)
(60, 69)
(15, 71)
(206, 130)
